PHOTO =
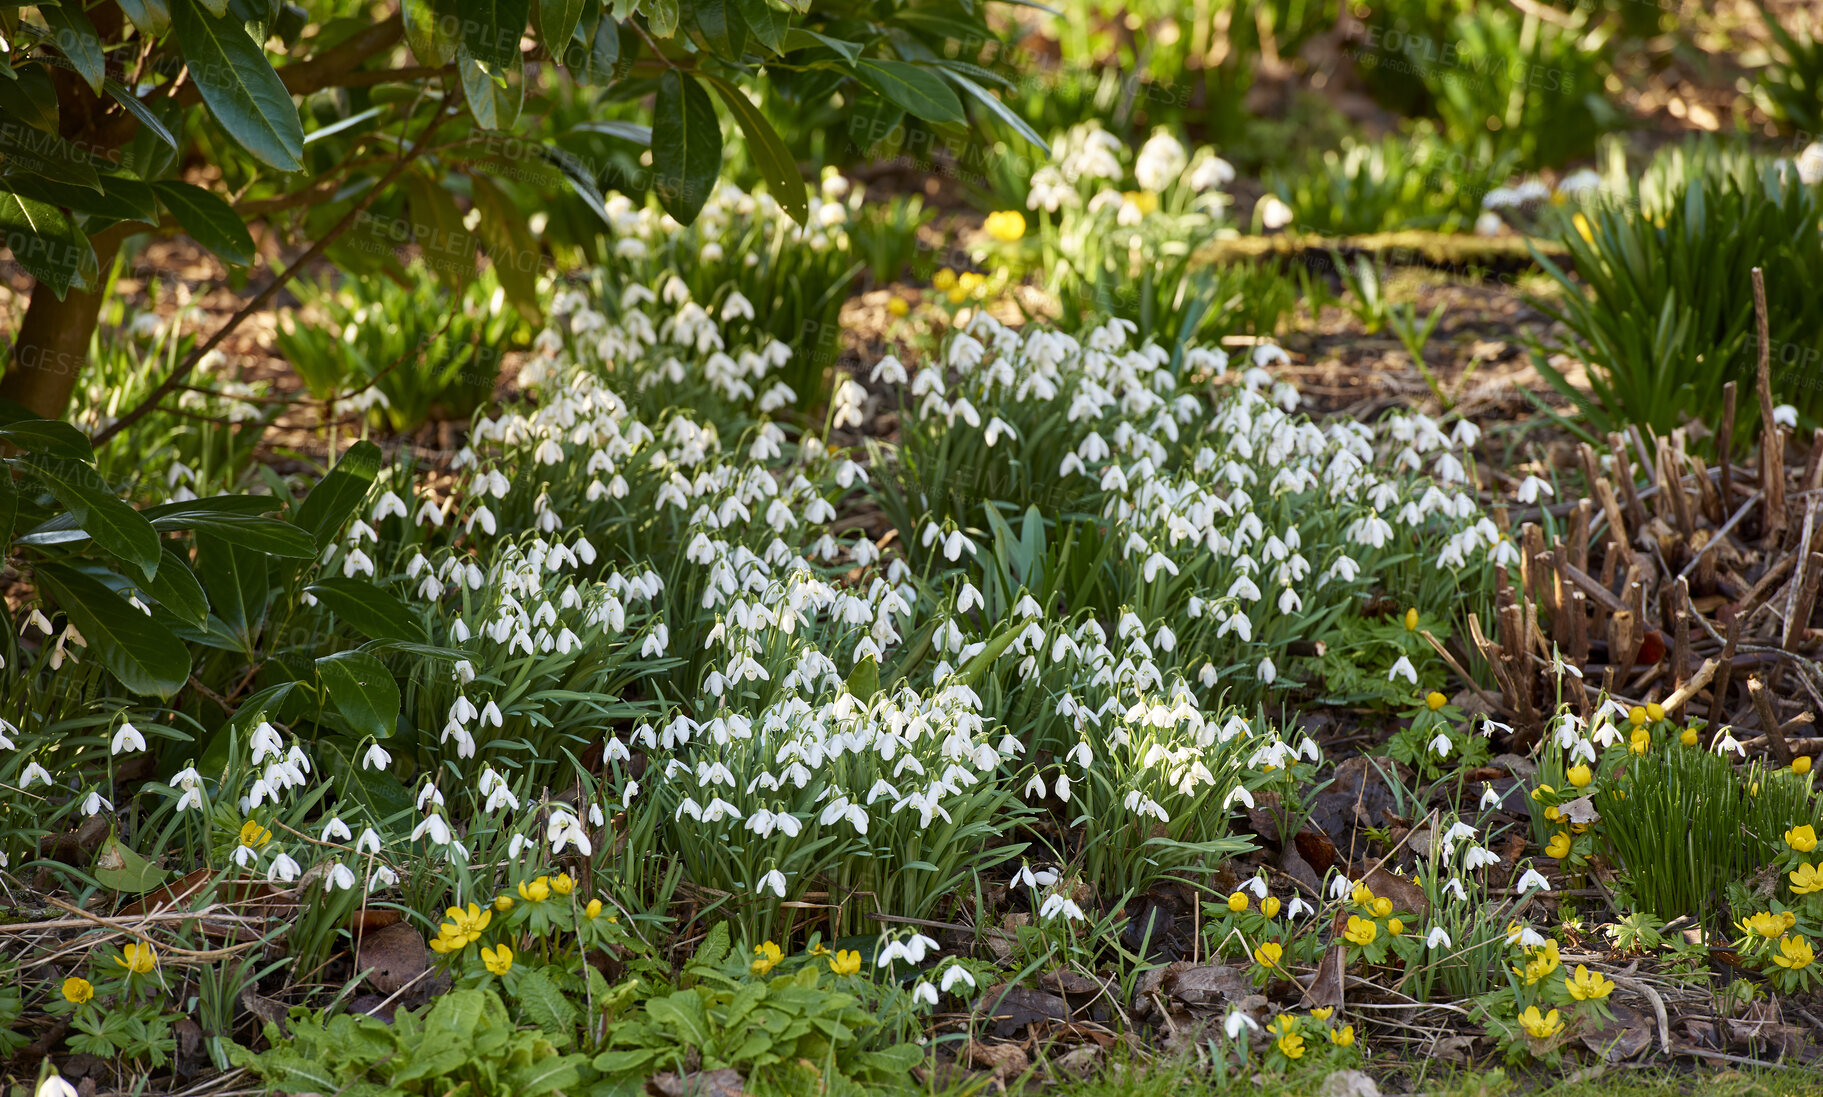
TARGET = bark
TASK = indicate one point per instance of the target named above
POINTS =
(53, 342)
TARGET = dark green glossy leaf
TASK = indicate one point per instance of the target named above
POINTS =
(31, 98)
(921, 92)
(44, 241)
(238, 585)
(238, 83)
(686, 145)
(210, 221)
(144, 655)
(152, 17)
(511, 247)
(75, 37)
(767, 24)
(371, 610)
(557, 22)
(51, 437)
(120, 199)
(329, 504)
(362, 690)
(777, 166)
(176, 588)
(491, 30)
(115, 526)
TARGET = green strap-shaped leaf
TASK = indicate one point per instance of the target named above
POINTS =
(114, 525)
(777, 166)
(44, 241)
(1000, 110)
(209, 220)
(920, 91)
(371, 610)
(686, 145)
(75, 37)
(362, 690)
(143, 654)
(329, 504)
(238, 84)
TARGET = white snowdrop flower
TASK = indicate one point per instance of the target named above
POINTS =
(429, 794)
(1273, 213)
(1034, 789)
(1489, 798)
(382, 879)
(924, 994)
(1534, 879)
(435, 827)
(95, 803)
(1785, 415)
(517, 845)
(369, 842)
(1161, 160)
(1059, 905)
(246, 856)
(1525, 937)
(1488, 223)
(1729, 742)
(1297, 907)
(1257, 885)
(1438, 938)
(388, 505)
(1341, 887)
(336, 831)
(1454, 887)
(376, 758)
(128, 740)
(774, 882)
(1238, 1024)
(954, 974)
(490, 714)
(338, 878)
(565, 829)
(429, 513)
(1441, 745)
(356, 562)
(1266, 673)
(1531, 486)
(1402, 668)
(1583, 751)
(283, 869)
(266, 742)
(1239, 795)
(482, 517)
(1479, 857)
(889, 370)
(54, 1084)
(1460, 832)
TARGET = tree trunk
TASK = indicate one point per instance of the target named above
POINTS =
(53, 342)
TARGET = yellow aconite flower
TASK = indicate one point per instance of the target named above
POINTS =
(898, 306)
(1806, 879)
(1801, 764)
(1764, 924)
(593, 910)
(1655, 711)
(1580, 775)
(1688, 738)
(1322, 1013)
(1292, 1045)
(845, 962)
(254, 836)
(1636, 715)
(1553, 814)
(766, 957)
(1547, 1026)
(1640, 741)
(77, 990)
(1434, 700)
(499, 959)
(1559, 846)
(536, 891)
(503, 902)
(1237, 902)
(1411, 619)
(1540, 962)
(1542, 791)
(138, 958)
(1342, 1037)
(1587, 985)
(1582, 227)
(1143, 200)
(1383, 906)
(1360, 931)
(1803, 839)
(1794, 953)
(1006, 225)
(1268, 954)
(1270, 906)
(1362, 896)
(562, 884)
(944, 279)
(1395, 927)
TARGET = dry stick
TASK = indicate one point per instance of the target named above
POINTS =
(1799, 621)
(1457, 667)
(1719, 534)
(1691, 688)
(1772, 471)
(177, 376)
(1723, 445)
(1769, 721)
